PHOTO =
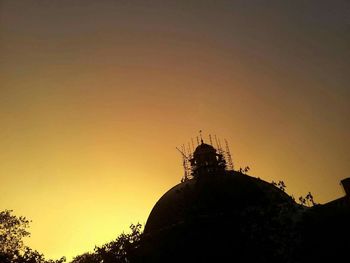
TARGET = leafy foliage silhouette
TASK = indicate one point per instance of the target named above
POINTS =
(308, 200)
(281, 185)
(12, 231)
(12, 249)
(119, 250)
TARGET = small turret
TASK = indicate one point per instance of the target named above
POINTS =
(206, 160)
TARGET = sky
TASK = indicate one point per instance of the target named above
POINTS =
(96, 95)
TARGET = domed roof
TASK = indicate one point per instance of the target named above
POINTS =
(204, 148)
(195, 199)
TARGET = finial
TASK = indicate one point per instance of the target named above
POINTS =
(200, 134)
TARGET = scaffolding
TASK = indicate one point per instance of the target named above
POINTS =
(228, 157)
(224, 157)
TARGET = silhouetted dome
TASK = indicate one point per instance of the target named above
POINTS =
(204, 149)
(221, 215)
(217, 213)
(212, 196)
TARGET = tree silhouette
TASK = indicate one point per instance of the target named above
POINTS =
(119, 250)
(12, 231)
(86, 258)
(12, 249)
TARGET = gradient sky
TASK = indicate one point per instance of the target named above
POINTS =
(96, 95)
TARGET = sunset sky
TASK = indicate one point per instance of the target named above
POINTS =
(96, 95)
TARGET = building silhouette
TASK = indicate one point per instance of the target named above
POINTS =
(218, 214)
